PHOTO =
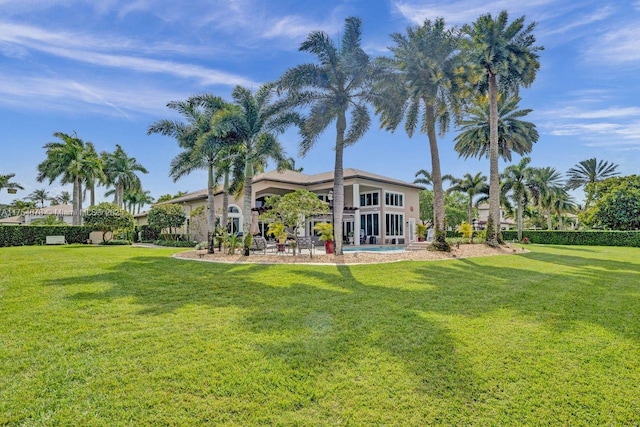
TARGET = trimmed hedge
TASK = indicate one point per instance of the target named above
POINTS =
(116, 242)
(29, 235)
(586, 238)
(149, 234)
(176, 243)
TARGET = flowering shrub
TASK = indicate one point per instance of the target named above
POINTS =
(525, 240)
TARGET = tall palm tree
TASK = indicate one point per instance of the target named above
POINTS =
(5, 182)
(93, 172)
(517, 182)
(563, 203)
(508, 58)
(472, 185)
(421, 83)
(588, 171)
(66, 160)
(201, 141)
(64, 198)
(548, 186)
(39, 195)
(255, 121)
(120, 172)
(341, 82)
(514, 134)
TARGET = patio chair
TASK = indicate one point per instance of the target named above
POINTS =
(259, 244)
(305, 243)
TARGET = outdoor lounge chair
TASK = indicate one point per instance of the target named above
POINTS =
(305, 243)
(259, 244)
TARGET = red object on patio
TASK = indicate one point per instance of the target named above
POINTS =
(328, 247)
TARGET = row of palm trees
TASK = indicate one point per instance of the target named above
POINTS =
(77, 162)
(435, 74)
(526, 186)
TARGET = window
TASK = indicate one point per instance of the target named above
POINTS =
(324, 197)
(369, 223)
(369, 199)
(393, 199)
(394, 225)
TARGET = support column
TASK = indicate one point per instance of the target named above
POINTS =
(356, 217)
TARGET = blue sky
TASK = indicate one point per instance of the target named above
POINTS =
(106, 70)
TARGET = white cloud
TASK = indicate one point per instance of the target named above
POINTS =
(616, 47)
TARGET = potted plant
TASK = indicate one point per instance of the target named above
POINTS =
(350, 237)
(421, 231)
(279, 231)
(325, 230)
(248, 240)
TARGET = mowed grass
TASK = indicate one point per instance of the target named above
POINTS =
(129, 336)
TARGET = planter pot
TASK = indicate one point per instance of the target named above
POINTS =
(328, 247)
(420, 239)
(247, 251)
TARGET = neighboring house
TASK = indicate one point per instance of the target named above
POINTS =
(26, 217)
(483, 216)
(383, 209)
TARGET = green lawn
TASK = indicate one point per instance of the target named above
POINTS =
(129, 336)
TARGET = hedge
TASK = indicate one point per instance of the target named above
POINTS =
(587, 238)
(29, 235)
(147, 233)
(176, 243)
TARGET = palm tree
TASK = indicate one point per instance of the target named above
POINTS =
(420, 84)
(472, 185)
(64, 198)
(508, 59)
(340, 82)
(93, 172)
(254, 122)
(41, 195)
(66, 160)
(5, 182)
(517, 182)
(588, 171)
(201, 141)
(563, 203)
(547, 184)
(514, 134)
(120, 172)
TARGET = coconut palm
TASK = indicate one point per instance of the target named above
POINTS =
(254, 122)
(421, 82)
(5, 182)
(508, 59)
(40, 195)
(341, 82)
(472, 185)
(514, 134)
(120, 173)
(516, 181)
(67, 160)
(588, 171)
(548, 186)
(201, 141)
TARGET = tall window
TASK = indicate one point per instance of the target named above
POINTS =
(369, 223)
(394, 225)
(393, 199)
(369, 199)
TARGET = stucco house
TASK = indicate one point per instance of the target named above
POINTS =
(483, 216)
(381, 209)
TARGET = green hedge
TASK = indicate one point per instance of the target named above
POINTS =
(116, 242)
(28, 235)
(149, 234)
(587, 238)
(176, 243)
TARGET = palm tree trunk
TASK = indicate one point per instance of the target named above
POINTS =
(338, 184)
(211, 211)
(77, 202)
(560, 225)
(494, 173)
(470, 208)
(248, 186)
(519, 218)
(225, 200)
(436, 173)
(549, 220)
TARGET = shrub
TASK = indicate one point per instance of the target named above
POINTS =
(108, 218)
(169, 216)
(588, 238)
(146, 234)
(29, 235)
(175, 243)
(116, 242)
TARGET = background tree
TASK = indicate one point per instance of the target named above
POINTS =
(92, 172)
(48, 220)
(341, 82)
(421, 84)
(615, 204)
(589, 171)
(64, 198)
(40, 195)
(548, 187)
(508, 58)
(5, 182)
(563, 203)
(169, 216)
(108, 218)
(120, 173)
(472, 185)
(67, 160)
(516, 181)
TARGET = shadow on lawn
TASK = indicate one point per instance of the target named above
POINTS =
(319, 316)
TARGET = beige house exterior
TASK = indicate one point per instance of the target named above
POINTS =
(483, 217)
(378, 209)
(27, 216)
